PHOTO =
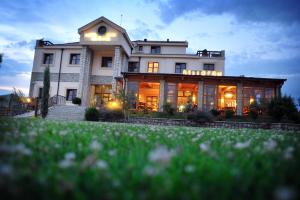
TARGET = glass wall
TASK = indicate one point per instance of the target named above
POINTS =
(209, 97)
(103, 94)
(171, 94)
(187, 96)
(226, 97)
(148, 97)
(132, 93)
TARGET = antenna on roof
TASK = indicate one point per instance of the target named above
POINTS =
(121, 19)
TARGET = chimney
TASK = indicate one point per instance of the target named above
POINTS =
(168, 40)
(39, 43)
(145, 40)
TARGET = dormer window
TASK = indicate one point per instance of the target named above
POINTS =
(155, 49)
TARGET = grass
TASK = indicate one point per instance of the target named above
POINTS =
(81, 160)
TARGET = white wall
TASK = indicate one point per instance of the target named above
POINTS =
(167, 65)
(53, 88)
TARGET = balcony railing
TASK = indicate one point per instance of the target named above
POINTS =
(211, 54)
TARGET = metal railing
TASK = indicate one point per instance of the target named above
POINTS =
(57, 100)
(210, 54)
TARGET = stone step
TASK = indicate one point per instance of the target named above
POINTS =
(66, 112)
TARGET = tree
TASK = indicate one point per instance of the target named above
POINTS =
(123, 98)
(1, 59)
(281, 107)
(45, 96)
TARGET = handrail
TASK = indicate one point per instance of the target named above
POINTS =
(210, 54)
(57, 100)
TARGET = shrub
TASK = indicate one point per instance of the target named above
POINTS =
(91, 114)
(215, 112)
(169, 109)
(229, 114)
(77, 101)
(281, 107)
(254, 110)
(295, 116)
(106, 114)
(200, 116)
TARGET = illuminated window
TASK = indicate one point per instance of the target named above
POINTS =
(155, 49)
(209, 67)
(103, 93)
(106, 62)
(152, 102)
(74, 59)
(179, 67)
(153, 67)
(48, 58)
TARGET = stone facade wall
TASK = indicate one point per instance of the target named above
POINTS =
(64, 77)
(216, 124)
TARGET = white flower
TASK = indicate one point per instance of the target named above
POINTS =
(150, 171)
(63, 133)
(204, 147)
(284, 193)
(95, 145)
(22, 149)
(101, 164)
(112, 152)
(6, 170)
(270, 145)
(70, 156)
(161, 155)
(65, 163)
(288, 153)
(242, 145)
(189, 169)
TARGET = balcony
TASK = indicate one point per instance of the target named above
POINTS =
(211, 54)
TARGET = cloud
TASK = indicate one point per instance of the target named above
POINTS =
(19, 81)
(287, 11)
(142, 30)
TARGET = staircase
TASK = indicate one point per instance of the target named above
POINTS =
(66, 112)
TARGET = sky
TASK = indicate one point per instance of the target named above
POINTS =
(261, 38)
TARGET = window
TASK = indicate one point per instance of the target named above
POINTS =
(133, 67)
(40, 95)
(155, 49)
(74, 59)
(71, 94)
(209, 67)
(103, 94)
(153, 67)
(179, 67)
(48, 58)
(106, 62)
(152, 102)
(140, 48)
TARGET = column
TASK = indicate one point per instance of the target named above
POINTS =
(278, 91)
(116, 68)
(239, 99)
(200, 95)
(84, 76)
(161, 94)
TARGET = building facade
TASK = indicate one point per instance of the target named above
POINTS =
(152, 73)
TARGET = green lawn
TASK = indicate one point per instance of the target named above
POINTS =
(82, 160)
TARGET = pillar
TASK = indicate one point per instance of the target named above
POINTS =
(200, 95)
(278, 91)
(239, 99)
(116, 68)
(84, 76)
(161, 94)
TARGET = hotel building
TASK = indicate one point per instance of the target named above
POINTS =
(151, 72)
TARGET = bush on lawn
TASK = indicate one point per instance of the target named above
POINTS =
(200, 116)
(91, 114)
(229, 114)
(77, 101)
(281, 107)
(169, 109)
(215, 112)
(111, 115)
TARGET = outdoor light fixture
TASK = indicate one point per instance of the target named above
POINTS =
(251, 100)
(113, 105)
(228, 95)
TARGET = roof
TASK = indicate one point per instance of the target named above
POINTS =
(107, 21)
(165, 42)
(200, 77)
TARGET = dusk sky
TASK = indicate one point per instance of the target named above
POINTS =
(261, 37)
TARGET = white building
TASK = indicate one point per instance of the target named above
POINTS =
(156, 72)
